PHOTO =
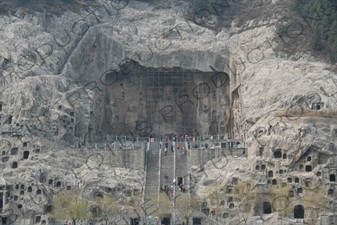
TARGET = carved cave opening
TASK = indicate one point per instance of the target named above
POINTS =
(299, 211)
(266, 208)
(14, 151)
(161, 101)
(166, 219)
(25, 154)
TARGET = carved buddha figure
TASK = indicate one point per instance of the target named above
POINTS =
(204, 119)
(131, 119)
(168, 114)
(111, 115)
(224, 114)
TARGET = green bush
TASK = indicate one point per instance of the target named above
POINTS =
(334, 48)
(297, 5)
(280, 28)
(333, 33)
(315, 41)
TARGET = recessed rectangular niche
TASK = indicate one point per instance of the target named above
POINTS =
(14, 151)
(278, 154)
(323, 158)
(235, 180)
(317, 105)
(37, 150)
(14, 165)
(5, 159)
(25, 154)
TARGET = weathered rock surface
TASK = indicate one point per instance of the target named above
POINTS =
(69, 81)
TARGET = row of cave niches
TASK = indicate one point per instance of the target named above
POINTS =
(306, 164)
(231, 204)
(19, 191)
(127, 190)
(15, 151)
(66, 122)
(266, 207)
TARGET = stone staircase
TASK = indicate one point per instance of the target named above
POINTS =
(181, 169)
(152, 174)
(167, 165)
(174, 165)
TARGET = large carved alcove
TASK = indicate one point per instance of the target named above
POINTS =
(163, 101)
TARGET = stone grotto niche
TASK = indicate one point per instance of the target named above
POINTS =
(165, 101)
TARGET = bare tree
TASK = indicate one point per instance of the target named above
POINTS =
(164, 205)
(247, 197)
(70, 206)
(282, 200)
(215, 197)
(109, 207)
(184, 203)
(242, 193)
(314, 200)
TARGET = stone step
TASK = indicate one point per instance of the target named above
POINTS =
(152, 183)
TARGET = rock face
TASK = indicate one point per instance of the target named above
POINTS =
(79, 80)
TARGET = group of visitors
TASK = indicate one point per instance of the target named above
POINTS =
(176, 138)
(174, 146)
(169, 190)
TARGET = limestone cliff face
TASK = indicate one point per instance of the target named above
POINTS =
(78, 78)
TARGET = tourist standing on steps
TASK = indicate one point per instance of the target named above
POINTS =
(166, 178)
(178, 146)
(160, 144)
(183, 150)
(161, 138)
(172, 148)
(165, 151)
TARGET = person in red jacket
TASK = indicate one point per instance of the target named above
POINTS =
(178, 146)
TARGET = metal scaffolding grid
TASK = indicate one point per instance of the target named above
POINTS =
(182, 84)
